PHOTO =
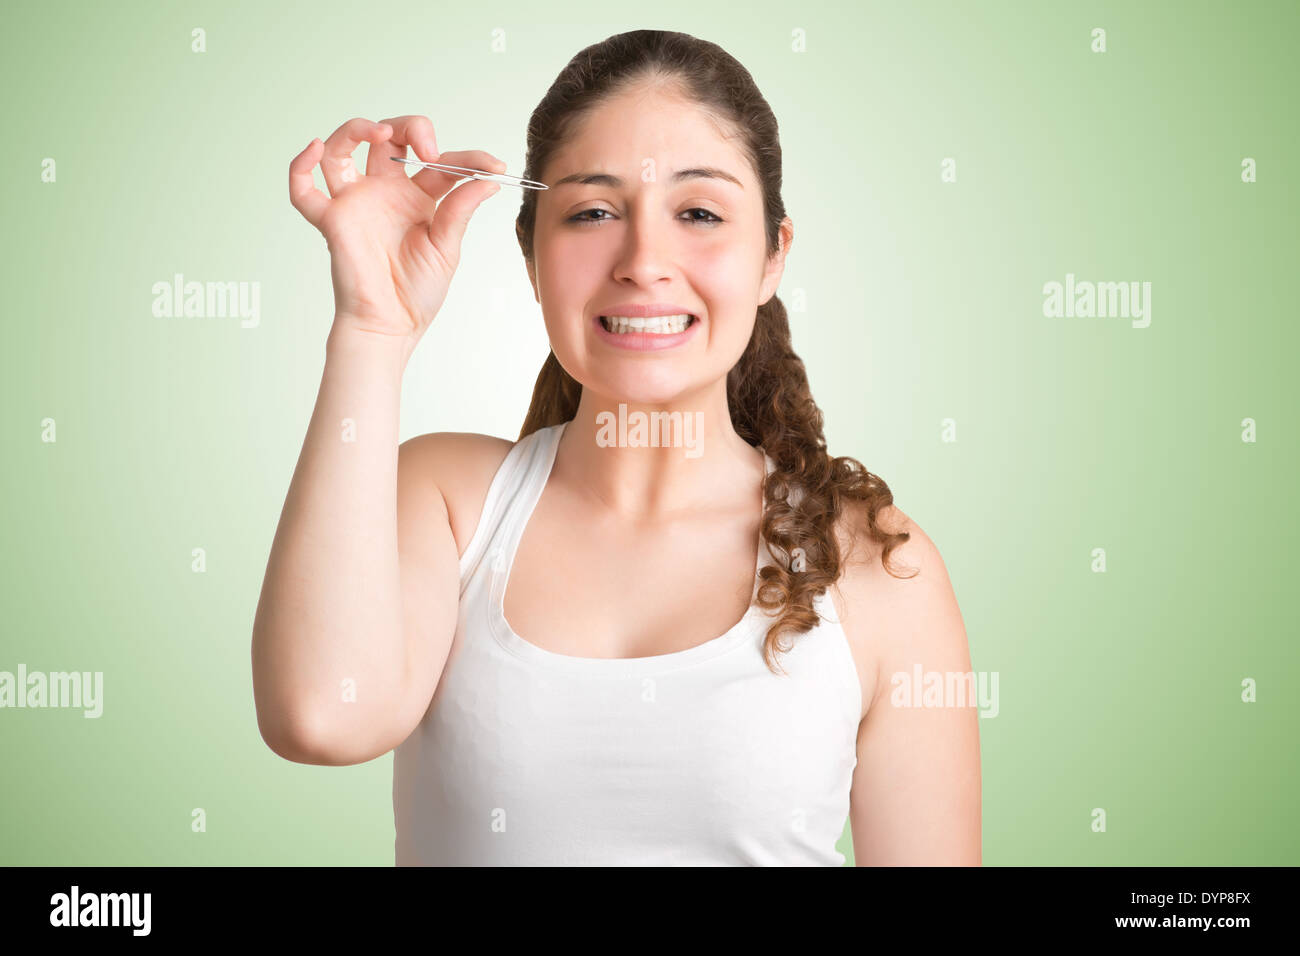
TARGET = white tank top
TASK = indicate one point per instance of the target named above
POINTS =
(699, 757)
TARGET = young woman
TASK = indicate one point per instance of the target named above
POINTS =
(583, 651)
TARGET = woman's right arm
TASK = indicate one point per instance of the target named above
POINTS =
(352, 623)
(333, 658)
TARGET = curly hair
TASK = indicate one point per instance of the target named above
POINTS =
(768, 396)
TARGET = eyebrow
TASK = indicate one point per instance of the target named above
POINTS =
(606, 179)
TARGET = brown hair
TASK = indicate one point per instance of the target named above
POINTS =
(768, 396)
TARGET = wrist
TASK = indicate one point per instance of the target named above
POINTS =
(352, 344)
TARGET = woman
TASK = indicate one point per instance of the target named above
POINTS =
(569, 640)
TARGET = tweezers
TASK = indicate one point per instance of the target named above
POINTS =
(475, 173)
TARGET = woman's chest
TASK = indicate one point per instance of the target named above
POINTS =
(576, 590)
(612, 594)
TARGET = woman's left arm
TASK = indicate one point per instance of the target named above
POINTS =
(916, 797)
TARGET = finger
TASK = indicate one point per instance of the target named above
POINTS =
(436, 182)
(453, 215)
(414, 131)
(337, 164)
(304, 195)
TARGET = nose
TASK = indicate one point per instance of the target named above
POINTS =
(646, 254)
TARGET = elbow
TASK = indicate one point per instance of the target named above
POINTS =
(308, 742)
(291, 740)
(291, 733)
(289, 730)
(300, 733)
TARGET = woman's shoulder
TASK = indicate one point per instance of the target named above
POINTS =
(458, 465)
(918, 569)
(456, 448)
(862, 553)
(895, 619)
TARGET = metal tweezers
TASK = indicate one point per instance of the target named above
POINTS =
(475, 173)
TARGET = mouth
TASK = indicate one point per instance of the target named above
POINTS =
(658, 325)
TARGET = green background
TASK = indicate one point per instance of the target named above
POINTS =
(921, 301)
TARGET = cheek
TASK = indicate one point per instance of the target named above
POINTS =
(569, 261)
(724, 271)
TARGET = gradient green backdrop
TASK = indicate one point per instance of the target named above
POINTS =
(921, 301)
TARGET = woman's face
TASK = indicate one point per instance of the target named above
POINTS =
(632, 228)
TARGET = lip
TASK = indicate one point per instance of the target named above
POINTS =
(631, 310)
(646, 341)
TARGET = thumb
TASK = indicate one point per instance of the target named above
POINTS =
(453, 214)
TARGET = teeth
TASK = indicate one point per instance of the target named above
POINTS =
(659, 324)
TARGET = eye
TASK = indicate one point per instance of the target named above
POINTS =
(712, 220)
(708, 221)
(578, 217)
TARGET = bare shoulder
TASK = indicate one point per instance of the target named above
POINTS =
(915, 572)
(915, 798)
(460, 466)
(900, 615)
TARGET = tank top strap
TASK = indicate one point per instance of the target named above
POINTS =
(510, 498)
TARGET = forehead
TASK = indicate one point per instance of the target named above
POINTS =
(623, 132)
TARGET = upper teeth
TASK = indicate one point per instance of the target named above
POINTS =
(657, 323)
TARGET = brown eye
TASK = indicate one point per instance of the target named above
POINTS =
(578, 216)
(710, 221)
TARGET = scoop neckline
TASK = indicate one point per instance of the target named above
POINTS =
(733, 638)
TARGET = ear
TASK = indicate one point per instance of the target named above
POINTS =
(776, 264)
